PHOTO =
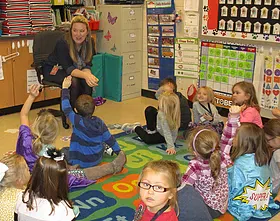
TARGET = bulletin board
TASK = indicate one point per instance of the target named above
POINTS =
(161, 33)
(242, 19)
(224, 64)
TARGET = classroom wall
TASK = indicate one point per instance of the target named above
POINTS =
(183, 83)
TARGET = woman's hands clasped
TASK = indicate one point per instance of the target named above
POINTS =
(91, 80)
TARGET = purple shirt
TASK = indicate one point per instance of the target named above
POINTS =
(24, 148)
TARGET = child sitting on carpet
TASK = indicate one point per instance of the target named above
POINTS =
(207, 172)
(158, 184)
(250, 178)
(272, 136)
(90, 137)
(46, 195)
(14, 175)
(33, 144)
(169, 84)
(244, 95)
(205, 111)
(163, 124)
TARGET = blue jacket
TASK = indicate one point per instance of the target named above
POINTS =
(88, 136)
(249, 189)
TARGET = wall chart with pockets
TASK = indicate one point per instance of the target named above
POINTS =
(161, 30)
(271, 82)
(224, 64)
(243, 19)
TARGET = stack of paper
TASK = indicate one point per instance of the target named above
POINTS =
(15, 16)
(40, 15)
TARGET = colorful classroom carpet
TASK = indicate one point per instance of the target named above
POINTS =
(114, 198)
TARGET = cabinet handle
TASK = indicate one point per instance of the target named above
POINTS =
(9, 50)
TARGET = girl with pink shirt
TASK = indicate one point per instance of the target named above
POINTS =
(244, 95)
(207, 172)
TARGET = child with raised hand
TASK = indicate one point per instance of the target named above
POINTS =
(163, 124)
(90, 137)
(158, 184)
(244, 95)
(46, 194)
(272, 136)
(34, 141)
(14, 175)
(207, 172)
(205, 111)
(250, 178)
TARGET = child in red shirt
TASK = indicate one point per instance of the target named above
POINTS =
(158, 191)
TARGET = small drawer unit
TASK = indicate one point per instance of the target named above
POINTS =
(122, 36)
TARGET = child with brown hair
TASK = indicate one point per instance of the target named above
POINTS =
(250, 178)
(46, 195)
(33, 141)
(244, 95)
(207, 172)
(164, 123)
(90, 137)
(14, 175)
(158, 184)
(272, 136)
(205, 111)
(169, 84)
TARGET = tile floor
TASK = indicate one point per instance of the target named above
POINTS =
(111, 112)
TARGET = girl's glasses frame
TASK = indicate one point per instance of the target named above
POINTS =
(156, 188)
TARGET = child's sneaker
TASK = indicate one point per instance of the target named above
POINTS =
(129, 128)
(151, 131)
(108, 150)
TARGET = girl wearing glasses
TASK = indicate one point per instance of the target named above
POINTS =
(158, 191)
(272, 136)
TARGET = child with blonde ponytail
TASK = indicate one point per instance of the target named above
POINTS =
(207, 172)
(163, 124)
(33, 141)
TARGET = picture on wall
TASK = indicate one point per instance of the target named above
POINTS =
(271, 82)
(243, 19)
(224, 64)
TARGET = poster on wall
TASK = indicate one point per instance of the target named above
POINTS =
(161, 32)
(248, 19)
(271, 82)
(224, 64)
(186, 57)
(158, 3)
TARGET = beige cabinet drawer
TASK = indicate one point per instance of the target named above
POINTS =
(131, 83)
(131, 40)
(131, 61)
(132, 18)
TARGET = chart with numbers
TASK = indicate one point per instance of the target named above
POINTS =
(223, 64)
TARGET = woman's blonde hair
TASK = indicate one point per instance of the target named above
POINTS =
(172, 172)
(210, 94)
(205, 142)
(169, 104)
(87, 46)
(44, 130)
(251, 139)
(18, 172)
(249, 90)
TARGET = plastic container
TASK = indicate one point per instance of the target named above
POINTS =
(94, 25)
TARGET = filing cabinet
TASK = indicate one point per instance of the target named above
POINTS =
(122, 36)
